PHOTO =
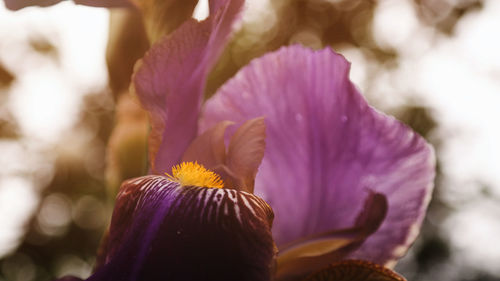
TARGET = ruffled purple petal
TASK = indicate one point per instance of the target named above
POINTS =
(19, 4)
(326, 148)
(170, 81)
(162, 231)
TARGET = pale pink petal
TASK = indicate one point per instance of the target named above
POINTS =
(326, 149)
(245, 152)
(208, 149)
(170, 81)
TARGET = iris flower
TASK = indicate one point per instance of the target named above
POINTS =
(285, 172)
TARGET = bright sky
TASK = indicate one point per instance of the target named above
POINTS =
(45, 99)
(459, 79)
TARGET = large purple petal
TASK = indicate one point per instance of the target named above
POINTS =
(170, 81)
(163, 231)
(326, 149)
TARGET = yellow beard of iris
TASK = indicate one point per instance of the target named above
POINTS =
(189, 173)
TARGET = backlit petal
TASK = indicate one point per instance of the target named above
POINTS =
(245, 152)
(238, 166)
(208, 149)
(326, 149)
(162, 231)
(170, 81)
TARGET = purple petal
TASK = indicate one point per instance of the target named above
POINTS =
(19, 4)
(312, 253)
(326, 148)
(208, 149)
(162, 231)
(245, 152)
(170, 81)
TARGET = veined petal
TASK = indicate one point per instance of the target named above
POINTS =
(245, 152)
(19, 4)
(163, 231)
(326, 148)
(170, 81)
(208, 149)
(239, 165)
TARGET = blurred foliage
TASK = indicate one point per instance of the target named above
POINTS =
(43, 46)
(444, 15)
(6, 77)
(78, 188)
(65, 231)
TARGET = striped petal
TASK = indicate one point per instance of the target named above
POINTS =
(163, 231)
(326, 149)
(170, 80)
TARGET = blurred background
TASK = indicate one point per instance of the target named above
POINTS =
(435, 64)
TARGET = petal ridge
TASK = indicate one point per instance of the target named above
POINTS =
(170, 80)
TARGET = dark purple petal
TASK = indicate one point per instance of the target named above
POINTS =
(170, 81)
(162, 231)
(326, 148)
(355, 270)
